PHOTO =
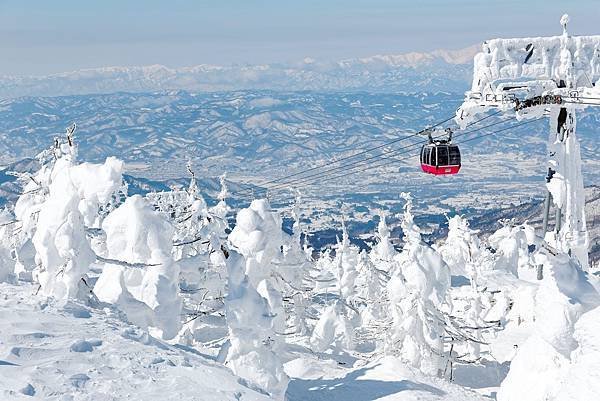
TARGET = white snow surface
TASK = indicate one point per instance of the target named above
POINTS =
(387, 379)
(543, 364)
(66, 351)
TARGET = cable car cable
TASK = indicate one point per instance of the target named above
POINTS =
(407, 151)
(352, 156)
(352, 165)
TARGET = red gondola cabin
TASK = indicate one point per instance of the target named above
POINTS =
(440, 157)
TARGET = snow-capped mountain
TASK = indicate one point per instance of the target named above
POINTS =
(445, 70)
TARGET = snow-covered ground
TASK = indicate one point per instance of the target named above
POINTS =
(53, 350)
(385, 379)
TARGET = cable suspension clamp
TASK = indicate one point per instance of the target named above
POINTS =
(538, 101)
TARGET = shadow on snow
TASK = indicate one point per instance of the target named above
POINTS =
(350, 388)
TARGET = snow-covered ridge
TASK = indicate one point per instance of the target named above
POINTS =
(415, 59)
(371, 73)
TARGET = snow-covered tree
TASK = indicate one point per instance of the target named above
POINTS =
(28, 205)
(258, 237)
(200, 250)
(371, 289)
(325, 272)
(147, 288)
(461, 248)
(417, 289)
(343, 311)
(295, 268)
(254, 305)
(333, 329)
(346, 260)
(465, 255)
(251, 352)
(62, 199)
(512, 248)
(383, 252)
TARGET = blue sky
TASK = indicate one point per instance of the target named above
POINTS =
(41, 37)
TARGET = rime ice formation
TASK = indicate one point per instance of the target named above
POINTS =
(511, 245)
(258, 236)
(6, 234)
(538, 370)
(332, 329)
(417, 289)
(346, 259)
(383, 251)
(295, 270)
(566, 187)
(59, 202)
(137, 234)
(461, 248)
(529, 67)
(254, 305)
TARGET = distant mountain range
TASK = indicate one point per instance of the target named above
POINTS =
(259, 136)
(441, 70)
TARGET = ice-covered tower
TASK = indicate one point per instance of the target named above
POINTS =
(534, 77)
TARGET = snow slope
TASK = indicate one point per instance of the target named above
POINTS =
(53, 351)
(582, 379)
(68, 351)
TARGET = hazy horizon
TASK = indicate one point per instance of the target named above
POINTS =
(66, 35)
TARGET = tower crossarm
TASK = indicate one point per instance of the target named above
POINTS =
(526, 68)
(573, 98)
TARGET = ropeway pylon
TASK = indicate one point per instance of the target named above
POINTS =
(546, 76)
